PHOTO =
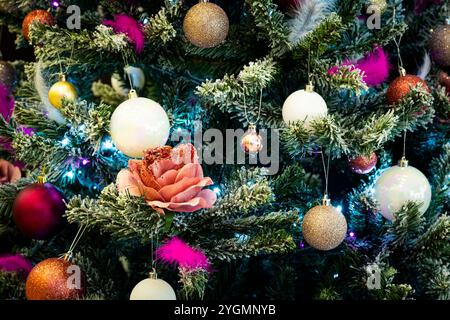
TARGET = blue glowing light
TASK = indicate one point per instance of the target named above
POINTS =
(108, 144)
(69, 174)
(339, 208)
(336, 275)
(65, 141)
(217, 190)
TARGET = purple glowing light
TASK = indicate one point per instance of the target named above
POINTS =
(302, 244)
(55, 4)
(352, 234)
(85, 162)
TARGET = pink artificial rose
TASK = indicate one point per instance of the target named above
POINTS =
(168, 178)
(9, 173)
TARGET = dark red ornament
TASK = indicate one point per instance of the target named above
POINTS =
(444, 80)
(401, 86)
(38, 210)
(363, 164)
(41, 16)
(55, 279)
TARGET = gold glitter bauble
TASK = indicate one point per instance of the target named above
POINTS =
(55, 279)
(324, 227)
(62, 89)
(206, 25)
(440, 45)
(381, 5)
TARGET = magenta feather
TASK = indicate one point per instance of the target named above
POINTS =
(15, 263)
(375, 66)
(6, 103)
(127, 25)
(176, 251)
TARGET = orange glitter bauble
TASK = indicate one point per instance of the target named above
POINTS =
(41, 16)
(55, 279)
(363, 164)
(401, 86)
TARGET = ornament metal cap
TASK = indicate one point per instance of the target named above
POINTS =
(309, 87)
(153, 275)
(132, 94)
(62, 77)
(403, 162)
(326, 201)
(251, 127)
(41, 179)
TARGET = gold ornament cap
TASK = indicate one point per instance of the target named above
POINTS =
(41, 179)
(132, 94)
(403, 163)
(309, 87)
(62, 77)
(153, 275)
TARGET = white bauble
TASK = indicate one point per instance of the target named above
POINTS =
(137, 125)
(153, 289)
(304, 105)
(399, 184)
(120, 85)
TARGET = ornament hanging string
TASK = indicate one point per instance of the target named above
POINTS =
(69, 64)
(326, 170)
(259, 109)
(76, 240)
(125, 59)
(397, 45)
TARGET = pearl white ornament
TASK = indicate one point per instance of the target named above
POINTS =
(153, 289)
(304, 105)
(139, 124)
(120, 85)
(399, 184)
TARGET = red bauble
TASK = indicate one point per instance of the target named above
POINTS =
(55, 279)
(444, 80)
(41, 16)
(401, 86)
(38, 210)
(363, 164)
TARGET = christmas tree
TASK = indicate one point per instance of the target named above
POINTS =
(257, 149)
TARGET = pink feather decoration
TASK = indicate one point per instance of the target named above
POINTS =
(127, 25)
(375, 66)
(15, 263)
(176, 251)
(6, 103)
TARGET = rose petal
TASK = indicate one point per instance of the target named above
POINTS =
(192, 191)
(192, 205)
(151, 194)
(167, 192)
(16, 174)
(209, 196)
(167, 178)
(191, 170)
(159, 167)
(126, 181)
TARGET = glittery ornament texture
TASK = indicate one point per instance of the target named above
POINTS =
(55, 279)
(41, 16)
(440, 45)
(324, 227)
(206, 25)
(401, 86)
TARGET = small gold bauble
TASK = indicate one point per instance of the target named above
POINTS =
(206, 25)
(251, 141)
(62, 90)
(324, 227)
